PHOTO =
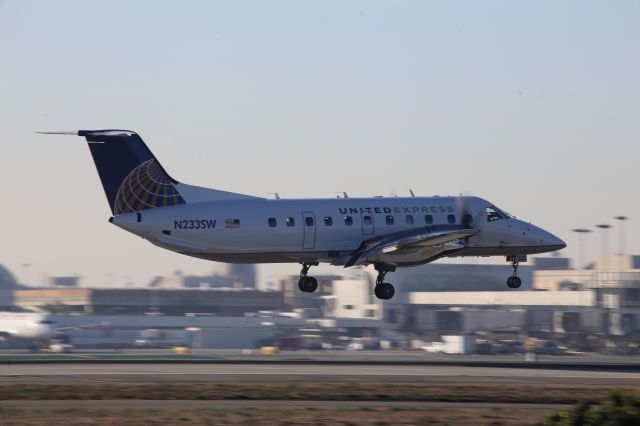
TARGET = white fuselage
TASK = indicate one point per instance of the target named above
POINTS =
(26, 326)
(325, 230)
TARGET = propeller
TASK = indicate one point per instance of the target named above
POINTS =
(466, 218)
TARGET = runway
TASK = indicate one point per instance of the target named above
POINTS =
(295, 372)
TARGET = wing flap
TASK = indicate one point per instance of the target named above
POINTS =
(419, 242)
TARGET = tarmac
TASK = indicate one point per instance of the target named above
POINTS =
(210, 356)
(162, 365)
(316, 372)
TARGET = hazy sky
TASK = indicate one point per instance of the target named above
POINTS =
(533, 105)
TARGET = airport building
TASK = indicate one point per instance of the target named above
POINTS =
(118, 301)
(560, 303)
(8, 284)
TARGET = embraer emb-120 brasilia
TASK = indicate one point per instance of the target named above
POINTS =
(229, 227)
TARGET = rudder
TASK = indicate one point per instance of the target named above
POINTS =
(132, 178)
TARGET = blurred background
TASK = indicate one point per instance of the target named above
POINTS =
(531, 105)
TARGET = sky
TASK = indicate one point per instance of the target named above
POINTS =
(532, 105)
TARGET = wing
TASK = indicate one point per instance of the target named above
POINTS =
(83, 326)
(413, 247)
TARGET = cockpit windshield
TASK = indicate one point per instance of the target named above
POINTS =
(505, 214)
(494, 213)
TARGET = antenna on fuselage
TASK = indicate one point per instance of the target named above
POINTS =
(275, 194)
(344, 194)
(411, 192)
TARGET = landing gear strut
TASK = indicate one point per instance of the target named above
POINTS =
(382, 290)
(514, 281)
(305, 283)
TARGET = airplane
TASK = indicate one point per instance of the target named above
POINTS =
(26, 327)
(230, 227)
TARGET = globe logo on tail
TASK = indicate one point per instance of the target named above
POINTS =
(146, 187)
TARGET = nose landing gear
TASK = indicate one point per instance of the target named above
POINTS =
(514, 281)
(382, 290)
(305, 283)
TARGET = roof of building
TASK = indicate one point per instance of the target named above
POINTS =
(7, 280)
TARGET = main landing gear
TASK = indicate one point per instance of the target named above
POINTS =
(514, 281)
(305, 283)
(382, 290)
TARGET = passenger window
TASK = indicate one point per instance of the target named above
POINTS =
(328, 221)
(408, 219)
(273, 222)
(290, 221)
(367, 220)
(348, 220)
(451, 219)
(390, 220)
(428, 219)
(492, 214)
(308, 221)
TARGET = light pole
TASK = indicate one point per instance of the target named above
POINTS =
(27, 268)
(623, 233)
(581, 251)
(605, 244)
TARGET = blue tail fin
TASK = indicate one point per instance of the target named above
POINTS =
(132, 178)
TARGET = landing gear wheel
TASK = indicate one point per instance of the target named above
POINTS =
(308, 284)
(384, 291)
(514, 282)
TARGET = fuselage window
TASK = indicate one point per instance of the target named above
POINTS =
(290, 221)
(328, 221)
(232, 223)
(428, 219)
(348, 220)
(493, 214)
(308, 221)
(273, 222)
(389, 219)
(408, 219)
(451, 218)
(367, 220)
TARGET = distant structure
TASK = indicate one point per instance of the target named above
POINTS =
(140, 301)
(8, 284)
(70, 281)
(226, 276)
(294, 298)
(459, 277)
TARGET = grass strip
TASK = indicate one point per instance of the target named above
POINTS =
(342, 391)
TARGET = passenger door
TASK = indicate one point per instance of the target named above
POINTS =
(309, 226)
(367, 223)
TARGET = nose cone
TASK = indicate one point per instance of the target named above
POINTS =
(547, 239)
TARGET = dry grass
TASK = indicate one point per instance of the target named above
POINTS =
(272, 417)
(305, 391)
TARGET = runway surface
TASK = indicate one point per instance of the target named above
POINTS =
(213, 356)
(261, 372)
